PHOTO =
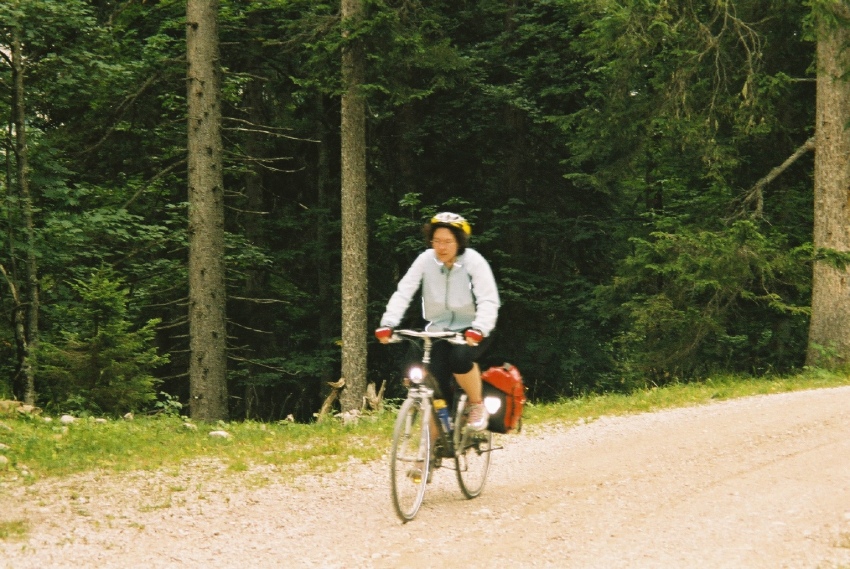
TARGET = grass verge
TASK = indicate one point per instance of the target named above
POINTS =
(37, 449)
(717, 388)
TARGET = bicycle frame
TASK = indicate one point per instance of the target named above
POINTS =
(459, 443)
(418, 387)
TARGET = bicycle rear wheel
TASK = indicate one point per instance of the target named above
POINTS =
(472, 456)
(410, 459)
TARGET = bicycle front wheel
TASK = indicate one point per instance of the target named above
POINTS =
(410, 458)
(472, 455)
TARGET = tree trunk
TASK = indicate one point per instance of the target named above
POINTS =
(829, 331)
(29, 342)
(354, 228)
(207, 297)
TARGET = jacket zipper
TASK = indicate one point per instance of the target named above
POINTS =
(446, 299)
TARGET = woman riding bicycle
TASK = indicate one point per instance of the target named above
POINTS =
(458, 294)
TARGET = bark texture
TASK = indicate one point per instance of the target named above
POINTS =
(207, 298)
(354, 227)
(829, 331)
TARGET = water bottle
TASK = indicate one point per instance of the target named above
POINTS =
(443, 414)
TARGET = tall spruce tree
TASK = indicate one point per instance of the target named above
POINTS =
(27, 335)
(207, 295)
(829, 331)
(354, 222)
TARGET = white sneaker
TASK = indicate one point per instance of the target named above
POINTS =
(478, 417)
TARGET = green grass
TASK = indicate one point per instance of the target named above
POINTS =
(38, 449)
(14, 530)
(716, 388)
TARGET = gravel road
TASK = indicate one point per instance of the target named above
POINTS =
(750, 483)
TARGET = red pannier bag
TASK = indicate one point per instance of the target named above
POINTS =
(505, 384)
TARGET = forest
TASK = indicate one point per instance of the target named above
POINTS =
(641, 175)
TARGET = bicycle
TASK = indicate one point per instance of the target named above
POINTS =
(414, 455)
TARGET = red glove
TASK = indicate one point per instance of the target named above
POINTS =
(384, 333)
(473, 335)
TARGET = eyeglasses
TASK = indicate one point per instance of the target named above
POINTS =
(443, 242)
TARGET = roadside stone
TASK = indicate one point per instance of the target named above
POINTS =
(190, 426)
(220, 434)
(3, 461)
(67, 419)
(349, 417)
(29, 410)
(3, 447)
(7, 406)
(100, 421)
(128, 417)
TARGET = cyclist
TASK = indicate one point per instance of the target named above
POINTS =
(458, 294)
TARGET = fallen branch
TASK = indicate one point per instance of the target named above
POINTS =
(372, 400)
(336, 387)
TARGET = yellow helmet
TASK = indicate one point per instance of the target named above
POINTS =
(453, 219)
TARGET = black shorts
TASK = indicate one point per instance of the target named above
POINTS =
(448, 359)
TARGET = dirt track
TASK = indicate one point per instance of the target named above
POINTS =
(757, 482)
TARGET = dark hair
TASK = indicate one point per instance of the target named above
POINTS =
(462, 238)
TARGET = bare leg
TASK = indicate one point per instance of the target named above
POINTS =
(470, 382)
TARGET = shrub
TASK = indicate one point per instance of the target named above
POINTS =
(99, 363)
(693, 301)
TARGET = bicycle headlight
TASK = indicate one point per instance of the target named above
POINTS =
(415, 374)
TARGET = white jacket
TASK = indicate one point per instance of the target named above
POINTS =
(464, 296)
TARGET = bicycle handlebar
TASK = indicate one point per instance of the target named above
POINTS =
(452, 337)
